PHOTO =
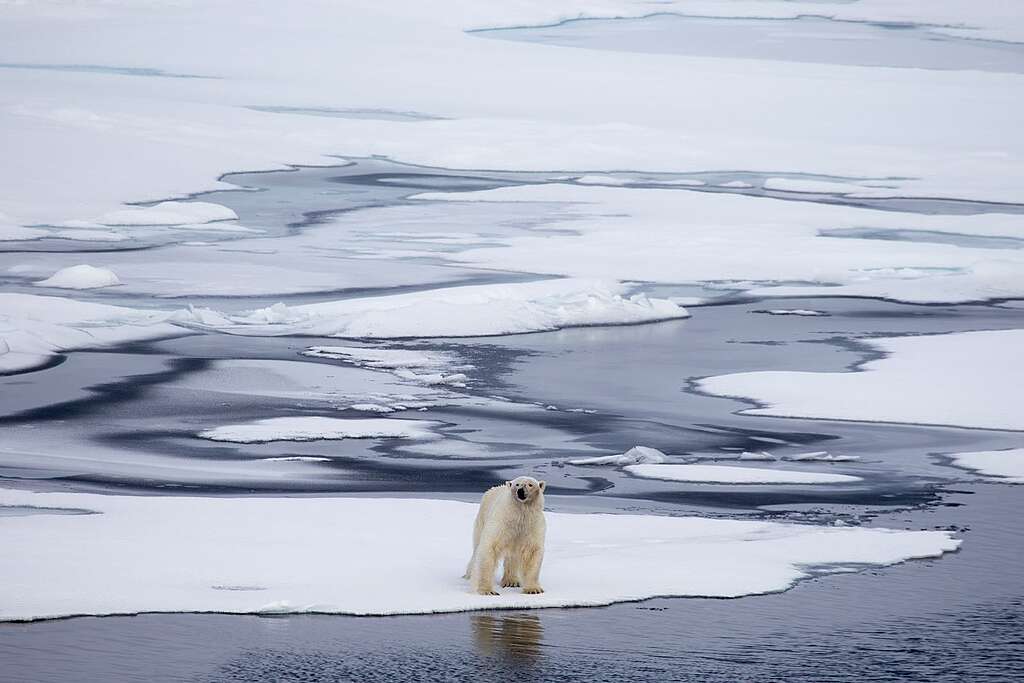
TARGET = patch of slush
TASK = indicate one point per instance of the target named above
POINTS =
(316, 428)
(469, 311)
(966, 379)
(390, 556)
(424, 367)
(821, 456)
(1006, 465)
(634, 456)
(81, 277)
(169, 213)
(724, 474)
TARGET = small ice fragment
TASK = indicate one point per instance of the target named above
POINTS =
(81, 277)
(759, 455)
(637, 455)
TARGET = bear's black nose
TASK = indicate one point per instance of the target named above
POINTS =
(522, 494)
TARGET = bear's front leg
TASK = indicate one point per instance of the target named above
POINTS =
(510, 577)
(483, 574)
(533, 556)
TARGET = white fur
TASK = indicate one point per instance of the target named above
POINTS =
(511, 530)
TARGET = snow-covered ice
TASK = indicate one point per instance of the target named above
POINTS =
(967, 379)
(81, 277)
(371, 408)
(467, 311)
(137, 142)
(634, 456)
(171, 554)
(760, 244)
(314, 428)
(169, 213)
(726, 474)
(763, 456)
(35, 328)
(1006, 465)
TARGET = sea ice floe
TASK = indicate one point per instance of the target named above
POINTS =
(10, 232)
(81, 277)
(725, 474)
(467, 311)
(35, 328)
(315, 428)
(169, 213)
(966, 379)
(634, 456)
(390, 556)
(756, 455)
(759, 244)
(1005, 465)
(371, 408)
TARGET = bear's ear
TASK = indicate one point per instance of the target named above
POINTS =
(542, 484)
(509, 483)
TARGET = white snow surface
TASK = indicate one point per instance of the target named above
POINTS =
(171, 554)
(141, 138)
(634, 456)
(1006, 465)
(467, 311)
(967, 379)
(756, 242)
(314, 428)
(34, 328)
(726, 474)
(169, 213)
(81, 277)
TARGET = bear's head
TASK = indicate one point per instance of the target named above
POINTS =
(526, 489)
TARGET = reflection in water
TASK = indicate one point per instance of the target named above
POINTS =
(512, 636)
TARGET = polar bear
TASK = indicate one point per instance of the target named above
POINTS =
(510, 527)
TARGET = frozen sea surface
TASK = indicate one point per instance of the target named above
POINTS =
(807, 38)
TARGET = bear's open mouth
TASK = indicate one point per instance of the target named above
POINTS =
(521, 493)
